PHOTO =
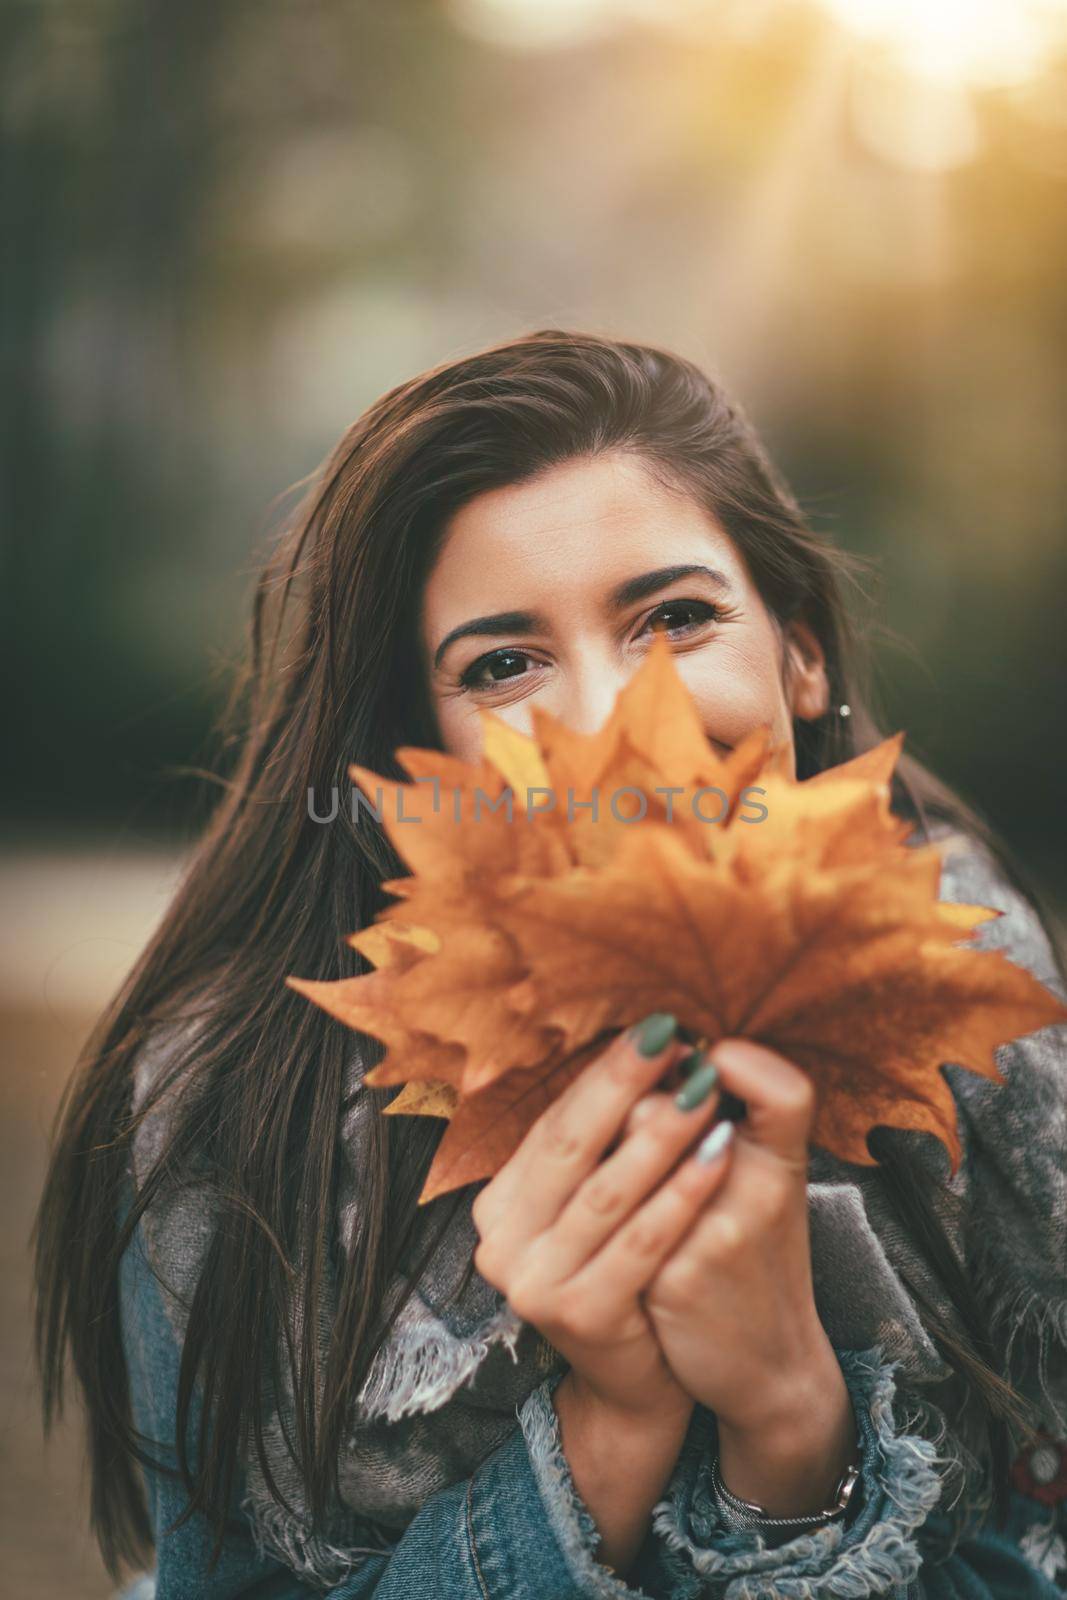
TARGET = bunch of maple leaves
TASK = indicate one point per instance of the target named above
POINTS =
(529, 934)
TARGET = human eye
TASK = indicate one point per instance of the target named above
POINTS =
(698, 613)
(499, 664)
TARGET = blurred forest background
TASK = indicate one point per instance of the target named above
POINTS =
(228, 227)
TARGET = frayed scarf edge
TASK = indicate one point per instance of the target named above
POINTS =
(1023, 1313)
(279, 1534)
(420, 1368)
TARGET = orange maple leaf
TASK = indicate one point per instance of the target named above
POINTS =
(566, 885)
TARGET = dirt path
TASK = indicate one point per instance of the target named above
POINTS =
(48, 1551)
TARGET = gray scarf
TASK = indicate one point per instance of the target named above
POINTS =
(446, 1386)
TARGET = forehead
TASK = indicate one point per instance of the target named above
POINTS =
(585, 523)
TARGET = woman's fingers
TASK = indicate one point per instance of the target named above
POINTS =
(659, 1133)
(575, 1212)
(637, 1250)
(569, 1138)
(768, 1168)
(779, 1098)
(641, 1112)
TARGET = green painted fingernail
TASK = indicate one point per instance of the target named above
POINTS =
(654, 1033)
(697, 1087)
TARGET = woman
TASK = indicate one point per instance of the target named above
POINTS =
(663, 1351)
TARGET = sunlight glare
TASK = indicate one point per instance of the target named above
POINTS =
(977, 42)
(962, 43)
(534, 24)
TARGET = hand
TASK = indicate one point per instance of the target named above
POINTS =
(568, 1233)
(733, 1307)
(573, 1240)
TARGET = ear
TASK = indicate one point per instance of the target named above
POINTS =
(806, 682)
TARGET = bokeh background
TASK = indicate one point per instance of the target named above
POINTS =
(228, 227)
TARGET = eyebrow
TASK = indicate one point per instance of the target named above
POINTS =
(623, 595)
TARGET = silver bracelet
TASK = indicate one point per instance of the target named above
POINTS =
(743, 1515)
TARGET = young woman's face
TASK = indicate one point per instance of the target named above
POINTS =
(546, 593)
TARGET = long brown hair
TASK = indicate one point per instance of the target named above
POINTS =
(335, 674)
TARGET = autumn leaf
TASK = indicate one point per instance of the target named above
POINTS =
(565, 885)
(495, 1118)
(425, 1099)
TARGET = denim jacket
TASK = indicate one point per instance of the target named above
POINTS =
(517, 1529)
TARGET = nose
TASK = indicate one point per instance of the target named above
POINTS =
(590, 695)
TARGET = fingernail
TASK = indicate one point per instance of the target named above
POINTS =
(654, 1033)
(694, 1059)
(714, 1143)
(697, 1087)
